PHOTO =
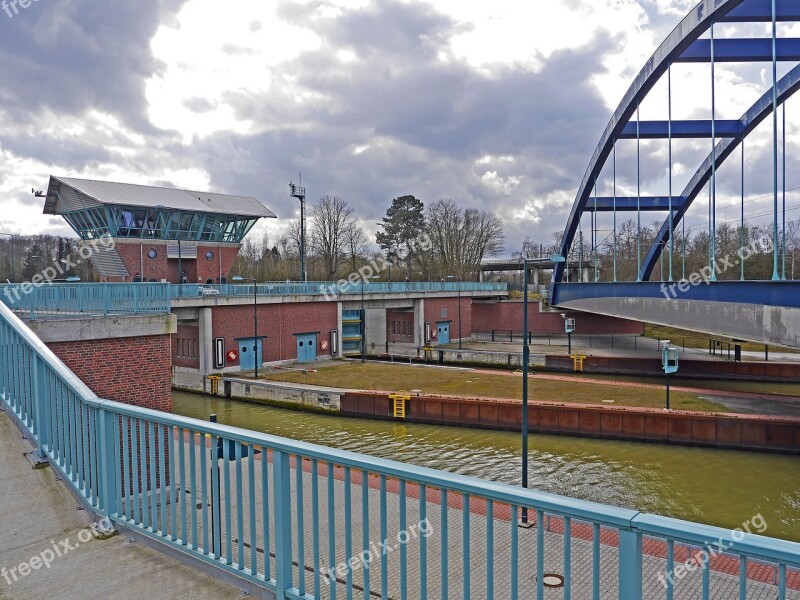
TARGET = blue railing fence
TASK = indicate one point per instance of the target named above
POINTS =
(63, 300)
(305, 521)
(332, 289)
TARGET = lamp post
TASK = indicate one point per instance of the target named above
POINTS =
(459, 307)
(299, 192)
(11, 238)
(525, 359)
(255, 318)
(364, 319)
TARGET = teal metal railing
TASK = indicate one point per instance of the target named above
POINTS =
(332, 289)
(306, 521)
(64, 300)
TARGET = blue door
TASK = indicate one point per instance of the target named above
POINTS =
(307, 347)
(443, 332)
(247, 358)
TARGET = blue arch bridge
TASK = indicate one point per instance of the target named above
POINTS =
(705, 174)
(293, 520)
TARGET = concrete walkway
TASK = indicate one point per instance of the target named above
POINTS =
(39, 520)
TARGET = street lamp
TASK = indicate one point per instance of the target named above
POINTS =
(364, 319)
(255, 318)
(525, 359)
(299, 192)
(459, 308)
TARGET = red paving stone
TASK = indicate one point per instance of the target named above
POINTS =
(582, 531)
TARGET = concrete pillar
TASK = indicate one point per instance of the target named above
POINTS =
(419, 323)
(205, 342)
(535, 280)
(585, 275)
(375, 332)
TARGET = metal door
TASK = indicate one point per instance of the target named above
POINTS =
(247, 358)
(306, 347)
(443, 332)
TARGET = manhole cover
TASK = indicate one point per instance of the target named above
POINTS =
(551, 580)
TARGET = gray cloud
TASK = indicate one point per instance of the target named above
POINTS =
(404, 116)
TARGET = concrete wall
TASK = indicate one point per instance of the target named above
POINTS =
(742, 432)
(508, 315)
(317, 398)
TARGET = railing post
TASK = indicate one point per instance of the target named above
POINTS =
(106, 299)
(41, 406)
(108, 467)
(630, 565)
(136, 299)
(283, 516)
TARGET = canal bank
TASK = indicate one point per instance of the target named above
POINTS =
(681, 427)
(720, 487)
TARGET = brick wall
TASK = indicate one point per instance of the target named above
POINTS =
(433, 314)
(186, 346)
(400, 326)
(198, 270)
(135, 370)
(278, 323)
(508, 315)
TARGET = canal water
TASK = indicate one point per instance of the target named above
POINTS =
(718, 487)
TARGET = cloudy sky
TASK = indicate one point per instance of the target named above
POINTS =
(497, 105)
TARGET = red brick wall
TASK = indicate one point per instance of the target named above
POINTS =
(134, 370)
(433, 314)
(395, 321)
(186, 346)
(198, 270)
(278, 323)
(508, 315)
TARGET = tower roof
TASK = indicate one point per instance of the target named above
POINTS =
(70, 193)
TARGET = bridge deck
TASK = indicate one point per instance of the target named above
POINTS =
(40, 513)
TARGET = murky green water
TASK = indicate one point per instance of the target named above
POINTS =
(719, 487)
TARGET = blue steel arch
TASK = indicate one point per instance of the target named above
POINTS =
(681, 45)
(759, 111)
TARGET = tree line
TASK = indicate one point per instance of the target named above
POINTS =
(419, 242)
(690, 251)
(23, 256)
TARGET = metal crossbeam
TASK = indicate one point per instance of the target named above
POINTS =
(628, 204)
(661, 130)
(741, 50)
(760, 11)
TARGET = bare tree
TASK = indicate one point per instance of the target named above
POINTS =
(355, 241)
(462, 238)
(331, 217)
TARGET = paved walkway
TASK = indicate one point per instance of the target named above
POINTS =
(38, 518)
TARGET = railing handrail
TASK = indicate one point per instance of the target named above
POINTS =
(47, 355)
(751, 545)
